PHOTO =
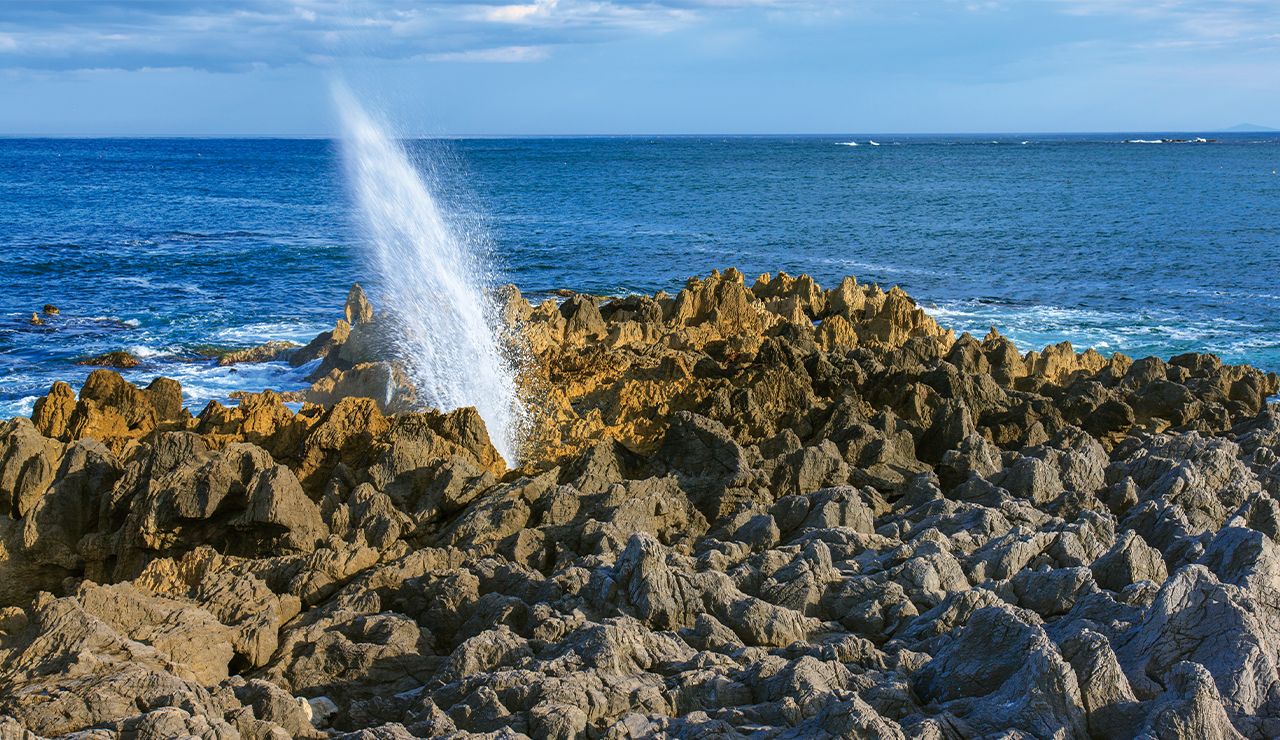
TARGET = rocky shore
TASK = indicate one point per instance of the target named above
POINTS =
(766, 511)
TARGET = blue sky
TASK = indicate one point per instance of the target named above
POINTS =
(640, 67)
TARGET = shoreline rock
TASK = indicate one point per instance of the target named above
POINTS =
(765, 511)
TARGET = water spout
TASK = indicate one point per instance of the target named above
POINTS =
(436, 281)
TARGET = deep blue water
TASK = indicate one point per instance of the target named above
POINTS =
(163, 245)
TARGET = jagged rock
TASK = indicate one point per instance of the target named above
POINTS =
(269, 352)
(1052, 592)
(69, 671)
(358, 310)
(186, 634)
(951, 425)
(1129, 561)
(1110, 706)
(1000, 673)
(372, 380)
(345, 434)
(272, 704)
(1189, 708)
(28, 463)
(1221, 627)
(582, 320)
(671, 598)
(709, 478)
(710, 466)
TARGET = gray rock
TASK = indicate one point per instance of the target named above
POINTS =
(1129, 561)
(1189, 708)
(1000, 673)
(1198, 619)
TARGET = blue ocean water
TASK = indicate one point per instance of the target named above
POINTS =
(166, 246)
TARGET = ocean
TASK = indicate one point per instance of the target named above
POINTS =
(172, 248)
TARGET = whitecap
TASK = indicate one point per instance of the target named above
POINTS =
(18, 407)
(142, 351)
(203, 382)
(846, 143)
(265, 332)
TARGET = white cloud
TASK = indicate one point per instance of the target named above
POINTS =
(236, 34)
(510, 13)
(229, 35)
(1188, 22)
(505, 54)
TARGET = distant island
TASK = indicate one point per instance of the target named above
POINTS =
(1250, 127)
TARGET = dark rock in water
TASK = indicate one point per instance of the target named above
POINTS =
(50, 309)
(118, 359)
(726, 523)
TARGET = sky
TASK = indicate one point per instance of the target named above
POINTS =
(582, 67)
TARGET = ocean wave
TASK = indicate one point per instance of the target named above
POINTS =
(142, 351)
(18, 407)
(1136, 333)
(203, 382)
(846, 143)
(267, 331)
(149, 284)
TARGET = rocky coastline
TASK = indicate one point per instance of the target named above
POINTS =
(748, 511)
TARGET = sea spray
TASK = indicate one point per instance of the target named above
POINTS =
(436, 282)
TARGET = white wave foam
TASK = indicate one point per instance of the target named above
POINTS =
(142, 351)
(1137, 333)
(203, 382)
(266, 332)
(846, 143)
(18, 407)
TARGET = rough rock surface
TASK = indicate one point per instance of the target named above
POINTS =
(765, 511)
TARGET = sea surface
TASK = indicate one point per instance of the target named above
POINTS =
(174, 248)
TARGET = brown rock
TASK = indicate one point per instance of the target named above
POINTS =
(358, 310)
(269, 352)
(118, 359)
(345, 434)
(52, 414)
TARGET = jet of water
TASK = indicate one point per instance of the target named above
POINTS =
(436, 281)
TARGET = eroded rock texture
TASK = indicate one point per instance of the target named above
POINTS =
(767, 512)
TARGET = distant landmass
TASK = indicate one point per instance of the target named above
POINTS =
(1249, 127)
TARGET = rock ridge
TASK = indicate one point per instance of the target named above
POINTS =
(764, 511)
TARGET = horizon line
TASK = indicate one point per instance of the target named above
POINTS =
(327, 137)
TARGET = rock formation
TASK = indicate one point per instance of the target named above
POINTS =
(773, 511)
